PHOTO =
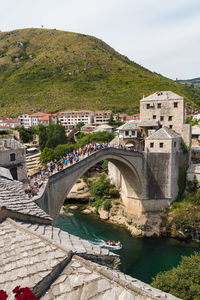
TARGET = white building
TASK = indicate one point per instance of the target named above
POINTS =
(69, 118)
(25, 120)
(35, 118)
(102, 117)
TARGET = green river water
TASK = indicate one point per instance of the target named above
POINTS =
(141, 258)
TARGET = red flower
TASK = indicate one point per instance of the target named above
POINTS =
(23, 294)
(16, 289)
(3, 295)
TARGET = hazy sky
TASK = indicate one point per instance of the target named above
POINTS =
(163, 36)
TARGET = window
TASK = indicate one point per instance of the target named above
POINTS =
(175, 104)
(126, 133)
(151, 145)
(148, 106)
(159, 105)
(170, 126)
(161, 145)
(174, 144)
(12, 157)
(170, 118)
(161, 118)
(154, 116)
(133, 132)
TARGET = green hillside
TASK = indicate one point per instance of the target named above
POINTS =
(195, 82)
(51, 70)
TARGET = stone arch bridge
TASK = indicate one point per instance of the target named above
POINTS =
(144, 185)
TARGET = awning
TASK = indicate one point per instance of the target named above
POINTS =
(129, 145)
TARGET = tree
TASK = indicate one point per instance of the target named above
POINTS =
(46, 155)
(51, 136)
(183, 281)
(42, 136)
(79, 125)
(26, 135)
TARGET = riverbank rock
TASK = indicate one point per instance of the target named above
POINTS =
(64, 211)
(103, 214)
(89, 210)
(79, 191)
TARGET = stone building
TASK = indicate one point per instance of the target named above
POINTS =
(12, 157)
(166, 107)
(131, 134)
(48, 119)
(163, 140)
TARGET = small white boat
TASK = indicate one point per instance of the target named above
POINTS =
(116, 246)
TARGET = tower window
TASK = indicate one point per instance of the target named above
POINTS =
(12, 157)
(175, 104)
(161, 145)
(148, 106)
(154, 116)
(161, 118)
(159, 105)
(151, 145)
(170, 118)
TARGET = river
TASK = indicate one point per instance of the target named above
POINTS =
(141, 258)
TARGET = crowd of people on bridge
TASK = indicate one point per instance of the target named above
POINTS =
(54, 166)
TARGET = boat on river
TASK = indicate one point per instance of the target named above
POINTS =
(112, 245)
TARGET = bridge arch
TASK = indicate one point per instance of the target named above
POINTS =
(129, 163)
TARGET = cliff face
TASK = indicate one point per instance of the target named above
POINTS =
(52, 70)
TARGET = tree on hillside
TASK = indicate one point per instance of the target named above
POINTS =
(183, 281)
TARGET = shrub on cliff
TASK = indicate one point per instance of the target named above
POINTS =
(183, 281)
(107, 205)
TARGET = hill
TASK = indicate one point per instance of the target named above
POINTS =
(195, 82)
(51, 70)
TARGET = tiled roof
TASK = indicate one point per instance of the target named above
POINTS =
(25, 258)
(148, 123)
(130, 125)
(164, 133)
(70, 242)
(13, 197)
(162, 95)
(85, 280)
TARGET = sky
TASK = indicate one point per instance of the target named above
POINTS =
(163, 36)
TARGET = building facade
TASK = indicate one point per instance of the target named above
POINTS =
(102, 117)
(166, 107)
(13, 157)
(69, 118)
